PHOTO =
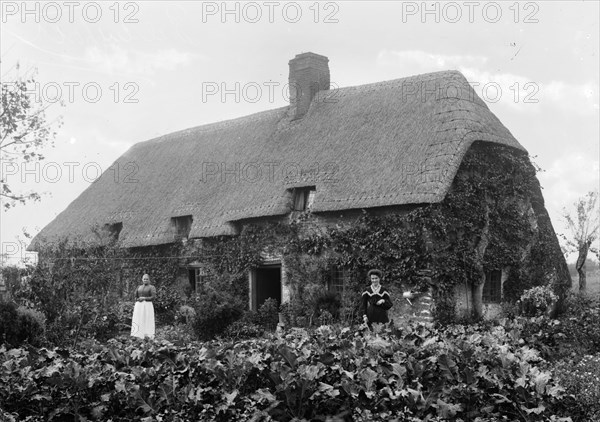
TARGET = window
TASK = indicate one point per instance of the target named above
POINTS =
(181, 226)
(492, 289)
(335, 280)
(197, 277)
(113, 230)
(303, 198)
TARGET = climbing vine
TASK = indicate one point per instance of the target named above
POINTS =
(491, 219)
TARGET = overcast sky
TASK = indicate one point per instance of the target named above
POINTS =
(131, 71)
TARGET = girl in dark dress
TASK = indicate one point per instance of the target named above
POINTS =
(375, 300)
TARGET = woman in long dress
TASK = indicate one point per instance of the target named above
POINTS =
(142, 323)
(375, 300)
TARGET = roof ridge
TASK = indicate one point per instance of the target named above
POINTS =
(397, 81)
(263, 115)
(214, 126)
(375, 147)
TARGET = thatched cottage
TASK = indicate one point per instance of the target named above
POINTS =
(387, 147)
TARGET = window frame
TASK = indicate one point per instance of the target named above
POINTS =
(199, 275)
(492, 288)
(336, 280)
(113, 230)
(181, 226)
(308, 198)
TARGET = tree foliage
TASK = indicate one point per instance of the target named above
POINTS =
(25, 130)
(583, 223)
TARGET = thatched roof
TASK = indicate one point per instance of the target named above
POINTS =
(389, 143)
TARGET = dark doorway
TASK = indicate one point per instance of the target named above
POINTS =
(268, 284)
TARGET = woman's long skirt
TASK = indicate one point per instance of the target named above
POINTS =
(142, 322)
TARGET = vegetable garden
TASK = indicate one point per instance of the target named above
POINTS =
(513, 369)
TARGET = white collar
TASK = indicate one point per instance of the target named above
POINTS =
(375, 290)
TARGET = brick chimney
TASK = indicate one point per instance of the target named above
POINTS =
(309, 74)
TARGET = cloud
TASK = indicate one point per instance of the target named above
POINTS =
(428, 62)
(505, 88)
(118, 60)
(568, 178)
(517, 92)
(508, 89)
(579, 98)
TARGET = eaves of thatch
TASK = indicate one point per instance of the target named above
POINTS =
(389, 143)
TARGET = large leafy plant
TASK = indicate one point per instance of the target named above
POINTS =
(420, 373)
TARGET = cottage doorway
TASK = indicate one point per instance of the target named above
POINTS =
(266, 284)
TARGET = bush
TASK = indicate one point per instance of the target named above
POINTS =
(32, 325)
(91, 318)
(268, 314)
(325, 318)
(185, 315)
(328, 302)
(180, 334)
(349, 310)
(9, 323)
(461, 373)
(316, 301)
(103, 323)
(125, 315)
(582, 380)
(582, 323)
(166, 304)
(243, 329)
(215, 311)
(537, 301)
(576, 333)
(293, 313)
(19, 325)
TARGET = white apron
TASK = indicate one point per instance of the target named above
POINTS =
(142, 323)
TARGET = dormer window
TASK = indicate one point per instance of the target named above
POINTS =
(112, 230)
(303, 198)
(181, 226)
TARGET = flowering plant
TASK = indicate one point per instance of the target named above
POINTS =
(536, 301)
(582, 380)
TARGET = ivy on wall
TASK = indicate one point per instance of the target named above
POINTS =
(495, 189)
(492, 218)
